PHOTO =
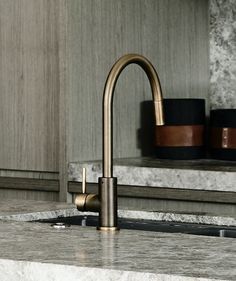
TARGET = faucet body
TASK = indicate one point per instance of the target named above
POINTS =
(106, 200)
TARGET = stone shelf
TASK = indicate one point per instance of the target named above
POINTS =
(208, 175)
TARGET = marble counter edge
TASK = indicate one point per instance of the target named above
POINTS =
(37, 271)
(159, 177)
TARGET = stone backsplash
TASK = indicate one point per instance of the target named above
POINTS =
(222, 53)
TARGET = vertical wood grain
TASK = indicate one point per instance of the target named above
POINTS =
(28, 195)
(54, 59)
(29, 84)
(63, 104)
(173, 34)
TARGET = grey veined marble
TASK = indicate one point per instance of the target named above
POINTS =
(223, 53)
(34, 251)
(29, 210)
(198, 175)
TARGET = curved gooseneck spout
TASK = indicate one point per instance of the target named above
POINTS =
(108, 98)
(105, 202)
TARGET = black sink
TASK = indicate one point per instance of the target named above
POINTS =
(150, 225)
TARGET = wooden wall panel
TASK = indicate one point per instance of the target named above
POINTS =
(173, 34)
(54, 59)
(29, 84)
(28, 195)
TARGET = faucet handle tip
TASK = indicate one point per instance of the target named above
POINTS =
(84, 180)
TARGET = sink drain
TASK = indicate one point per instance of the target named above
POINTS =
(60, 225)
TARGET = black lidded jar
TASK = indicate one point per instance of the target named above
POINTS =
(183, 135)
(223, 134)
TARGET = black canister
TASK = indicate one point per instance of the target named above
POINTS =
(182, 137)
(223, 134)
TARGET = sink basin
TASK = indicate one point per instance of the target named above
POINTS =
(149, 225)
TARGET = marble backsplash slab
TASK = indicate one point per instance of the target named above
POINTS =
(222, 54)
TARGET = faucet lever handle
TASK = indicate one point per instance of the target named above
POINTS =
(84, 180)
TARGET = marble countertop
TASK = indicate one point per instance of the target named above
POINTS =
(31, 210)
(34, 251)
(197, 174)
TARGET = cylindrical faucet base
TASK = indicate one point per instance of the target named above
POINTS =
(108, 200)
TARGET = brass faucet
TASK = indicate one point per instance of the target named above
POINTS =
(106, 201)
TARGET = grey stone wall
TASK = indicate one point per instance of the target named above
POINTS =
(223, 53)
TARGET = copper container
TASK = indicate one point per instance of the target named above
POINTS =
(183, 135)
(223, 134)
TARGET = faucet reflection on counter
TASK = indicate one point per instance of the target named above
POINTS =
(105, 202)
